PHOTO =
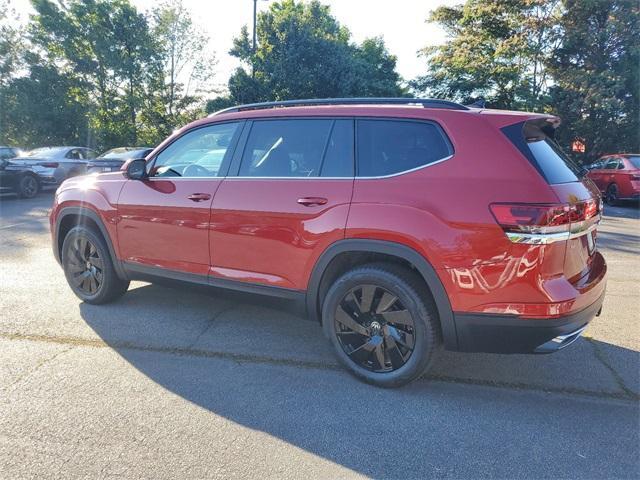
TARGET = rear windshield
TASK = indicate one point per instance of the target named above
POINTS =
(635, 160)
(533, 139)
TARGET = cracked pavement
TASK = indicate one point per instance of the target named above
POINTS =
(171, 382)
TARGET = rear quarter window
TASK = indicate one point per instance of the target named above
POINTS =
(533, 140)
(388, 147)
(635, 160)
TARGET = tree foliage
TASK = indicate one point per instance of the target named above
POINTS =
(576, 58)
(100, 73)
(596, 75)
(497, 50)
(303, 52)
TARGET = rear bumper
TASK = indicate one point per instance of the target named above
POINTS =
(488, 333)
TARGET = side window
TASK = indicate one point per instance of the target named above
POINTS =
(88, 154)
(338, 157)
(387, 147)
(74, 154)
(198, 153)
(611, 164)
(285, 148)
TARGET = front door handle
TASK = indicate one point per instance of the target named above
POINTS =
(312, 201)
(199, 197)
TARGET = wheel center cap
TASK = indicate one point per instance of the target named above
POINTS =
(376, 328)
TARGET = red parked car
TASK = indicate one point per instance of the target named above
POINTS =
(617, 177)
(401, 225)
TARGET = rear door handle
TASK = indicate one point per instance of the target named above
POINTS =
(199, 197)
(312, 201)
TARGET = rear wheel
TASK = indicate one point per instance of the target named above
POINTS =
(28, 187)
(381, 324)
(612, 194)
(88, 267)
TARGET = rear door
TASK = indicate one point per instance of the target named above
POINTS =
(286, 199)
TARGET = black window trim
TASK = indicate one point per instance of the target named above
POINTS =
(234, 170)
(224, 167)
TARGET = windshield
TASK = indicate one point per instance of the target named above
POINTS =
(635, 160)
(46, 152)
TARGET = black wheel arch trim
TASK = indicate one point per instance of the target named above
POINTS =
(403, 252)
(87, 212)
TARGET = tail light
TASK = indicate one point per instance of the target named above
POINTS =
(49, 164)
(543, 224)
(635, 177)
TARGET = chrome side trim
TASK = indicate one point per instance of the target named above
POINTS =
(404, 172)
(306, 178)
(582, 229)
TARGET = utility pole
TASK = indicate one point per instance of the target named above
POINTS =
(255, 16)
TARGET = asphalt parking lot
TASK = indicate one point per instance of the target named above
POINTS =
(172, 382)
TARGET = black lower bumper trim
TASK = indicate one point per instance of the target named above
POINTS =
(490, 333)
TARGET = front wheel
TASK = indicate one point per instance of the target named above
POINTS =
(382, 324)
(88, 267)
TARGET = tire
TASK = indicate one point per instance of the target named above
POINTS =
(88, 267)
(404, 329)
(611, 196)
(28, 186)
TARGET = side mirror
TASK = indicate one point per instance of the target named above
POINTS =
(136, 169)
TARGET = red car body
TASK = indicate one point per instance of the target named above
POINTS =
(617, 176)
(455, 221)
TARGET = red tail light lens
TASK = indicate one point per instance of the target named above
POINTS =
(530, 223)
(49, 164)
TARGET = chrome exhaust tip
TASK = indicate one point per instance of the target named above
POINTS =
(559, 342)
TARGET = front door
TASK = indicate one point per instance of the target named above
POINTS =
(164, 219)
(287, 200)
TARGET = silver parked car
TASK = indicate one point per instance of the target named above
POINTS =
(53, 165)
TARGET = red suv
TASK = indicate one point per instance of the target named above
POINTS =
(617, 177)
(400, 224)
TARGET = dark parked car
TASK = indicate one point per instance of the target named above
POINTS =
(18, 179)
(401, 225)
(113, 159)
(7, 153)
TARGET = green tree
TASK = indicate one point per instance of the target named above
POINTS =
(44, 108)
(187, 67)
(107, 45)
(596, 74)
(12, 44)
(304, 52)
(497, 49)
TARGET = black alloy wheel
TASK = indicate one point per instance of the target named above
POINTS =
(375, 329)
(382, 323)
(28, 187)
(85, 266)
(88, 267)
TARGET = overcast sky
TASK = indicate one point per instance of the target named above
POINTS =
(400, 22)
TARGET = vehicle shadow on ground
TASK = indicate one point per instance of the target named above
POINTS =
(263, 353)
(623, 210)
